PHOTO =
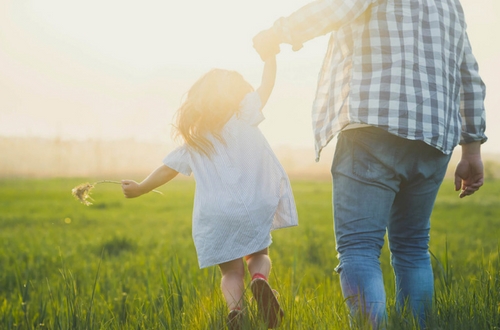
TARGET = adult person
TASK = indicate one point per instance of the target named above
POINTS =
(400, 86)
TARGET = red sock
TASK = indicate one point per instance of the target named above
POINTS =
(259, 275)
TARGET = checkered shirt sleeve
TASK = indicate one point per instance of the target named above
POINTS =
(474, 120)
(404, 66)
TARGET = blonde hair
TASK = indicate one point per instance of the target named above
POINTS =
(209, 104)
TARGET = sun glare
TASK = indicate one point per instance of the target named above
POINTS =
(118, 69)
(129, 32)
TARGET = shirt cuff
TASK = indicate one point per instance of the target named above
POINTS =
(284, 34)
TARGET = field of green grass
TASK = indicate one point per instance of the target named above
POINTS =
(131, 264)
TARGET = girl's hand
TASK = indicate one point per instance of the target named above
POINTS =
(267, 44)
(131, 189)
(158, 177)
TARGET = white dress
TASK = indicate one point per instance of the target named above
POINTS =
(242, 191)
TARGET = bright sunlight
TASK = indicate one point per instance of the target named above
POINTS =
(118, 69)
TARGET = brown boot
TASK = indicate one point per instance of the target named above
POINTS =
(267, 303)
(234, 319)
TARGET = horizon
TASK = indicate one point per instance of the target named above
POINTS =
(33, 157)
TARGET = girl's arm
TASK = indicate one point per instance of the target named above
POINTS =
(268, 79)
(158, 177)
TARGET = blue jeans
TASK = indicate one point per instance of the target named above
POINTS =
(384, 183)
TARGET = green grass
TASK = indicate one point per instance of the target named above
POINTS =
(131, 264)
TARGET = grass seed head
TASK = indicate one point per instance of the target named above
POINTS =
(82, 193)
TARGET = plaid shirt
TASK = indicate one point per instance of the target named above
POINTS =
(405, 66)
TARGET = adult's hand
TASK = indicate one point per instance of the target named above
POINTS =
(469, 174)
(266, 43)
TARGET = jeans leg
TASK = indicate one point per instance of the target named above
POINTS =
(359, 242)
(408, 241)
(409, 228)
(362, 202)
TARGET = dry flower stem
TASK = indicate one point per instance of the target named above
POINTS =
(82, 191)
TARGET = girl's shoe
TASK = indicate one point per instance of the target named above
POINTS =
(234, 319)
(267, 303)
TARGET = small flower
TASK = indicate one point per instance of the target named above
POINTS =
(82, 193)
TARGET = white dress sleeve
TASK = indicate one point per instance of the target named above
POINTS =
(179, 160)
(250, 109)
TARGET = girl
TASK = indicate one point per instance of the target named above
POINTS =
(242, 191)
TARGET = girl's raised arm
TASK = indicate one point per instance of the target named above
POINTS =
(268, 79)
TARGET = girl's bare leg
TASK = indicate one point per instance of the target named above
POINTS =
(232, 285)
(259, 263)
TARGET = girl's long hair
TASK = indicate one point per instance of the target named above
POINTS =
(209, 104)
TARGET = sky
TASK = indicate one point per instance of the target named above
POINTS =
(107, 69)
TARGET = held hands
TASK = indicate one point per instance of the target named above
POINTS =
(267, 44)
(131, 189)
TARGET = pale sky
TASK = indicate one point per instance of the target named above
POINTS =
(118, 69)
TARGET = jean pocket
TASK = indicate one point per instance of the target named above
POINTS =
(369, 167)
(366, 154)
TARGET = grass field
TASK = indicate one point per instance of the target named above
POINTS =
(131, 264)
